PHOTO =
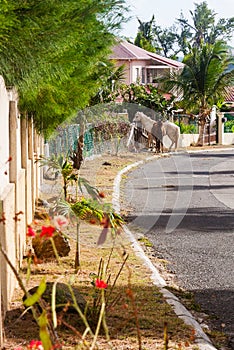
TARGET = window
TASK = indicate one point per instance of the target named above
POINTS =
(138, 78)
(143, 75)
(151, 75)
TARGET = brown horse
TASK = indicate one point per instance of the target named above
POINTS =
(155, 130)
(157, 133)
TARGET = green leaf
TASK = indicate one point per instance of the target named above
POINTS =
(48, 55)
(53, 305)
(44, 334)
(32, 299)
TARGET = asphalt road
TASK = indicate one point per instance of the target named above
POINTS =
(185, 205)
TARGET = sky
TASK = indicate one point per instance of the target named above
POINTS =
(166, 12)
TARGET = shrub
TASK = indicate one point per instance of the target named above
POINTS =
(229, 126)
(187, 128)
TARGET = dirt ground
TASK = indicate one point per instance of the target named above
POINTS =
(137, 315)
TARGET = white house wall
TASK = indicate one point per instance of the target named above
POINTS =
(19, 175)
(4, 139)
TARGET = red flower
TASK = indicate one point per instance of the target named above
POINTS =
(60, 222)
(100, 284)
(101, 194)
(47, 231)
(35, 345)
(31, 232)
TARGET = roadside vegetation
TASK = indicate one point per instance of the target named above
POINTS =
(55, 55)
(136, 315)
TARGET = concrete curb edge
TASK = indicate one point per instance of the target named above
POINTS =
(202, 340)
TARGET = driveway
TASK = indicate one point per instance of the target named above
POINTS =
(185, 205)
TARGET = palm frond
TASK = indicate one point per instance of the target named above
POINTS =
(84, 185)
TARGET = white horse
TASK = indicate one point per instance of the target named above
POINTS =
(169, 129)
(146, 121)
(173, 132)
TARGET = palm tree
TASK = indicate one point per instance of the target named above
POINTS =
(203, 80)
(144, 38)
(146, 28)
(203, 28)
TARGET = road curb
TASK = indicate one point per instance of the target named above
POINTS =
(202, 340)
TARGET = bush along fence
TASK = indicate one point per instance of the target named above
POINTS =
(104, 136)
(229, 122)
(20, 177)
(111, 135)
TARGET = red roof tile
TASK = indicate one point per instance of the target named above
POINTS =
(123, 50)
(229, 94)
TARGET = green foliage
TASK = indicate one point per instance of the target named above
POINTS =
(90, 209)
(87, 210)
(180, 37)
(187, 128)
(229, 126)
(204, 29)
(33, 299)
(142, 42)
(43, 331)
(148, 96)
(95, 212)
(203, 78)
(144, 38)
(51, 53)
(111, 77)
(62, 165)
(166, 42)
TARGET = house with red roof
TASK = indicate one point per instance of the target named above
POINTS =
(142, 66)
(229, 96)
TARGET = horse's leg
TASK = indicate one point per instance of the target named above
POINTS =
(172, 143)
(150, 141)
(176, 143)
(158, 144)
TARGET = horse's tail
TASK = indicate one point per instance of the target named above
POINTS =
(158, 130)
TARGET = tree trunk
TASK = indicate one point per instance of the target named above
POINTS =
(77, 155)
(200, 141)
(77, 253)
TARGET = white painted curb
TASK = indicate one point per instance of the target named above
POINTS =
(202, 340)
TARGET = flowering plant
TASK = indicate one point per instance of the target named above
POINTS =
(35, 345)
(46, 232)
(100, 284)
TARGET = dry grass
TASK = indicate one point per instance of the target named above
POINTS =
(136, 296)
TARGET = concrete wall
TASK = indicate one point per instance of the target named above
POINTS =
(20, 177)
(185, 140)
(228, 139)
